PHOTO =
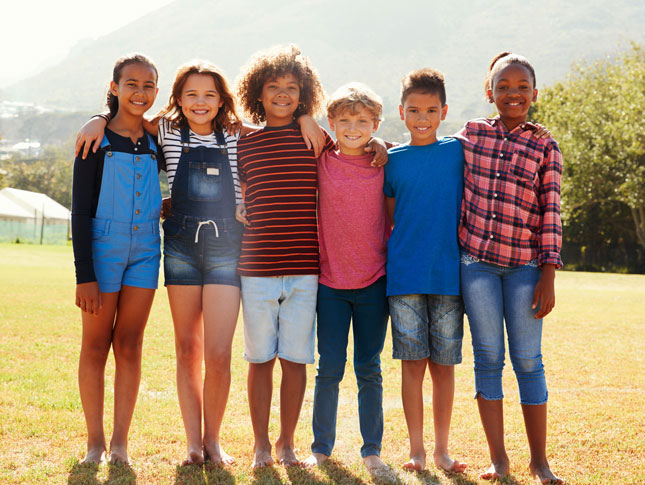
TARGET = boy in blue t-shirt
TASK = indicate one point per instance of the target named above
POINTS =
(423, 186)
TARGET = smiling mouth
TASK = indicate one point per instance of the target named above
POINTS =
(200, 111)
(353, 138)
(139, 103)
(422, 129)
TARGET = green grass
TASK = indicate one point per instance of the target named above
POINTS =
(594, 347)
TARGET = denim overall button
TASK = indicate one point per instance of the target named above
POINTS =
(137, 158)
(138, 194)
(109, 154)
(137, 212)
(138, 176)
(153, 156)
(136, 228)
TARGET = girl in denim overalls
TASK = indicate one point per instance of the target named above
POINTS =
(201, 248)
(115, 227)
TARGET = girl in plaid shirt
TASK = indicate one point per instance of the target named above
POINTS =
(510, 236)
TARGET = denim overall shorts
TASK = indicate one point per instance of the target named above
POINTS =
(125, 231)
(202, 239)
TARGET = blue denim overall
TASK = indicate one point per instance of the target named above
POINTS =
(202, 238)
(125, 231)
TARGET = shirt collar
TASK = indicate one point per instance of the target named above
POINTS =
(524, 126)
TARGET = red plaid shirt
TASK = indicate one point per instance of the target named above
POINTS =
(510, 214)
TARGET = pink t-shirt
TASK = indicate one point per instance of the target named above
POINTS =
(353, 227)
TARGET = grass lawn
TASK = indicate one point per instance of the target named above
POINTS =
(594, 348)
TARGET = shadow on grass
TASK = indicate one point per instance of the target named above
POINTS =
(337, 473)
(121, 474)
(266, 475)
(509, 480)
(203, 475)
(83, 473)
(298, 474)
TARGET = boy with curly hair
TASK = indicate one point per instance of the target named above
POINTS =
(279, 262)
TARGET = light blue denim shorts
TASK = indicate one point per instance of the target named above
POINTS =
(427, 326)
(279, 317)
(125, 254)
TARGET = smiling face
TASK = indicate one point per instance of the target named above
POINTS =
(200, 102)
(280, 98)
(422, 114)
(353, 131)
(513, 91)
(136, 89)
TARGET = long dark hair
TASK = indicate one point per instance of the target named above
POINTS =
(112, 101)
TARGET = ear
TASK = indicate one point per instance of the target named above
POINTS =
(444, 112)
(489, 93)
(377, 123)
(535, 91)
(114, 88)
(332, 125)
(401, 112)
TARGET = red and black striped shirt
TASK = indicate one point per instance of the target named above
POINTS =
(280, 174)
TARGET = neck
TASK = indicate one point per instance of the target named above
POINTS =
(128, 125)
(278, 121)
(512, 123)
(351, 151)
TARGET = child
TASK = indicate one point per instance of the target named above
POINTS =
(353, 231)
(423, 185)
(115, 226)
(510, 237)
(279, 259)
(202, 246)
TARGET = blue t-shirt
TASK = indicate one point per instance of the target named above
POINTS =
(426, 183)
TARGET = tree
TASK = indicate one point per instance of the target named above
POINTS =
(597, 117)
(50, 174)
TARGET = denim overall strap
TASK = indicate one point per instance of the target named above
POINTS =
(203, 186)
(130, 193)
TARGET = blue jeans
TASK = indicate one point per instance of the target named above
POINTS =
(367, 309)
(494, 295)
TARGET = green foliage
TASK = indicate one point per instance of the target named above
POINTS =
(597, 117)
(50, 173)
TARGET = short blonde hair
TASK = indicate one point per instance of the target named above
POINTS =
(352, 98)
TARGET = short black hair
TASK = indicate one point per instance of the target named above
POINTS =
(425, 80)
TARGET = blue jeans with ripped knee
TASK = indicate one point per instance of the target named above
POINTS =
(498, 298)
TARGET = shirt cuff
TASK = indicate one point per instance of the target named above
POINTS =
(550, 258)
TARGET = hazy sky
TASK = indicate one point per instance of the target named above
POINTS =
(37, 33)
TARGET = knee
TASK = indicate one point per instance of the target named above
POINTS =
(96, 351)
(527, 366)
(489, 359)
(330, 369)
(368, 371)
(128, 349)
(189, 351)
(218, 361)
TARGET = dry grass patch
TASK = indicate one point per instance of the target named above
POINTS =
(594, 347)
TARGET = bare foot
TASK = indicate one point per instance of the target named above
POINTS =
(215, 454)
(374, 464)
(95, 455)
(445, 463)
(544, 475)
(286, 454)
(119, 455)
(415, 464)
(262, 457)
(315, 459)
(496, 471)
(195, 457)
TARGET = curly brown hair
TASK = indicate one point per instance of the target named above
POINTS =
(226, 115)
(274, 63)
